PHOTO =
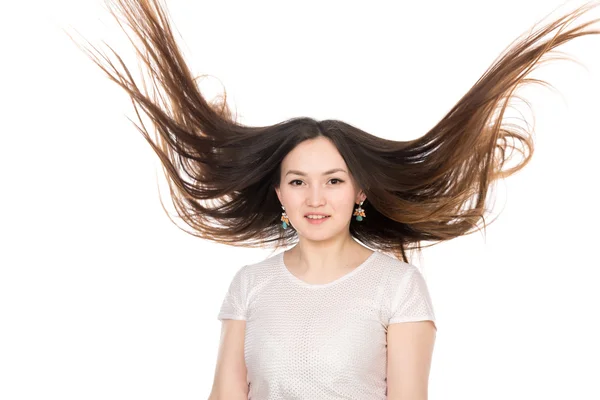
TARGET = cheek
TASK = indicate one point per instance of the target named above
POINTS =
(338, 201)
(294, 201)
(341, 205)
(344, 199)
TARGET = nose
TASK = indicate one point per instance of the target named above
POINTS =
(315, 196)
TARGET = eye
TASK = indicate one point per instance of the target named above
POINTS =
(298, 180)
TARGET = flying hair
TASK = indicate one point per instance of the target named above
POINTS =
(222, 174)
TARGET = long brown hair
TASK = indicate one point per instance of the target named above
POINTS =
(222, 174)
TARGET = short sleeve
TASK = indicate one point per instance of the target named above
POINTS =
(234, 305)
(411, 300)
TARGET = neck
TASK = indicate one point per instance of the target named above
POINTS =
(316, 256)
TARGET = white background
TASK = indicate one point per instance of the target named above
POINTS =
(102, 297)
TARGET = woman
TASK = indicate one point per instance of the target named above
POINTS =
(330, 318)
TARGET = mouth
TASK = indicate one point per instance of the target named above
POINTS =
(318, 219)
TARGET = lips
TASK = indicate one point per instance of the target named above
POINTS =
(317, 221)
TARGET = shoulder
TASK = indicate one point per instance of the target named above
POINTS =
(255, 273)
(403, 279)
(263, 266)
(396, 270)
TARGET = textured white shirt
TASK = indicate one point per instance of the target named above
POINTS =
(322, 341)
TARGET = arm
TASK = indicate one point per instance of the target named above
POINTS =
(409, 352)
(230, 372)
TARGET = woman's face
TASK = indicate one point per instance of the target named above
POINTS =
(310, 184)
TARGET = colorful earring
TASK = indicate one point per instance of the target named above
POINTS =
(359, 212)
(285, 219)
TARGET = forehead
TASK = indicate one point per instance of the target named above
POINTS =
(317, 155)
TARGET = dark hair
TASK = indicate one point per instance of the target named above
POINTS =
(222, 174)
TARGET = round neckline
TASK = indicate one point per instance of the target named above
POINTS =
(299, 281)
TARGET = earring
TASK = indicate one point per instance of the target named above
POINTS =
(285, 219)
(359, 212)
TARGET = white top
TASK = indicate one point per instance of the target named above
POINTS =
(323, 341)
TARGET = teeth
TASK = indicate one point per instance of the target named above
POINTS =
(313, 217)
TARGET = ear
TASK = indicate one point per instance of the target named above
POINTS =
(278, 192)
(361, 197)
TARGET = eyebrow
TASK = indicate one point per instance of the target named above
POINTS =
(331, 171)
